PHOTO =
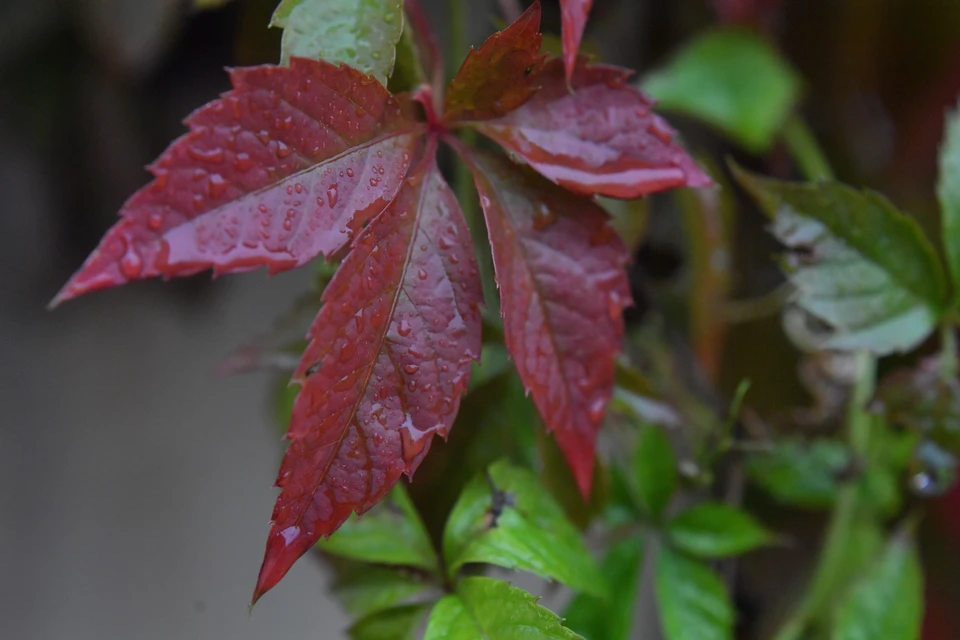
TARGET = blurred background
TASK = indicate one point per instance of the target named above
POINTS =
(137, 483)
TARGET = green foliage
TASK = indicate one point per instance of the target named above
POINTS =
(493, 610)
(716, 530)
(505, 518)
(362, 34)
(654, 471)
(610, 618)
(692, 600)
(399, 623)
(801, 473)
(860, 265)
(948, 189)
(364, 589)
(733, 80)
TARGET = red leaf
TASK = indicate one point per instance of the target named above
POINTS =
(499, 76)
(389, 358)
(259, 178)
(562, 289)
(602, 139)
(573, 15)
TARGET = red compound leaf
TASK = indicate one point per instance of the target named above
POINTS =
(562, 289)
(573, 16)
(282, 168)
(601, 139)
(499, 76)
(388, 361)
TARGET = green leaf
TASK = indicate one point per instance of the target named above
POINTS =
(654, 471)
(859, 264)
(610, 618)
(209, 4)
(390, 533)
(801, 473)
(692, 600)
(948, 191)
(886, 602)
(507, 519)
(364, 589)
(362, 33)
(733, 80)
(489, 609)
(716, 530)
(399, 623)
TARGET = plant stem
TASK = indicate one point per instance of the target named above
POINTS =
(948, 351)
(805, 150)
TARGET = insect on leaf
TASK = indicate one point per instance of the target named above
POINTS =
(563, 290)
(389, 358)
(257, 180)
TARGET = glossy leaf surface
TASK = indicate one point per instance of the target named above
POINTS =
(562, 289)
(603, 138)
(733, 80)
(506, 518)
(499, 76)
(257, 180)
(692, 601)
(573, 20)
(389, 358)
(716, 530)
(493, 610)
(948, 190)
(362, 34)
(858, 263)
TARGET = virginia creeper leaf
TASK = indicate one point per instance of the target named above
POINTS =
(603, 138)
(391, 533)
(573, 17)
(563, 289)
(859, 264)
(692, 601)
(733, 80)
(362, 34)
(654, 466)
(805, 474)
(398, 623)
(948, 190)
(388, 360)
(256, 180)
(716, 530)
(611, 618)
(887, 602)
(365, 588)
(505, 517)
(499, 76)
(493, 610)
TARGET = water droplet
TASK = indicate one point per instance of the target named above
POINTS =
(332, 195)
(411, 368)
(596, 410)
(404, 328)
(131, 264)
(242, 162)
(212, 156)
(422, 274)
(288, 224)
(412, 386)
(389, 17)
(445, 242)
(350, 173)
(298, 188)
(216, 185)
(155, 221)
(283, 150)
(454, 259)
(444, 368)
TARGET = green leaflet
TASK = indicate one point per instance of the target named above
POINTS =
(716, 530)
(365, 589)
(506, 518)
(390, 533)
(860, 265)
(948, 191)
(399, 623)
(805, 474)
(732, 79)
(693, 602)
(654, 477)
(361, 33)
(489, 609)
(887, 601)
(610, 619)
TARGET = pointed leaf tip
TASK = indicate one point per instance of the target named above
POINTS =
(573, 16)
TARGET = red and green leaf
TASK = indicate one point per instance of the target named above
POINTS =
(284, 167)
(388, 361)
(601, 139)
(563, 288)
(573, 16)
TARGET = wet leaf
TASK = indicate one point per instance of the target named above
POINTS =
(948, 190)
(716, 530)
(364, 589)
(858, 263)
(603, 138)
(731, 79)
(499, 76)
(573, 16)
(562, 289)
(611, 618)
(887, 602)
(493, 610)
(692, 601)
(805, 474)
(362, 34)
(257, 180)
(654, 466)
(505, 518)
(389, 358)
(391, 533)
(398, 623)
